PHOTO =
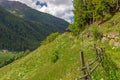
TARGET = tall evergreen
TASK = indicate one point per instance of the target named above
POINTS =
(78, 16)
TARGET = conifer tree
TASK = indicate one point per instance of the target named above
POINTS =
(78, 16)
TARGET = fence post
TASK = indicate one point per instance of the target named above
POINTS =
(88, 71)
(82, 63)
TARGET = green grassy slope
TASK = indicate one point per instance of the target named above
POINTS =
(39, 64)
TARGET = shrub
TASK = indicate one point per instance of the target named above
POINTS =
(107, 16)
(74, 30)
(50, 38)
(54, 57)
(97, 33)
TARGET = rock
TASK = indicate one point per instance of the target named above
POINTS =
(105, 34)
(112, 35)
(104, 39)
(117, 44)
(111, 42)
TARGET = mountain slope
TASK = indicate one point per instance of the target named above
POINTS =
(59, 59)
(21, 34)
(23, 11)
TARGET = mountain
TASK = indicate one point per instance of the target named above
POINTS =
(24, 28)
(60, 59)
(23, 11)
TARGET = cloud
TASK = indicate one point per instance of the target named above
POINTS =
(59, 8)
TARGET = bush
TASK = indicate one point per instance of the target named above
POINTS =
(97, 33)
(73, 29)
(50, 38)
(107, 16)
(54, 57)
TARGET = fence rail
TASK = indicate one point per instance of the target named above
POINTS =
(86, 66)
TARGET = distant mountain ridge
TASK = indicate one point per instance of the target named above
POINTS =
(24, 27)
(18, 8)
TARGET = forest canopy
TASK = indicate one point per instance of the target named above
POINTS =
(87, 12)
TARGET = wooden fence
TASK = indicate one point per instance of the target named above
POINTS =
(86, 66)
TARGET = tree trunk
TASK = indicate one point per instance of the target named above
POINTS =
(117, 5)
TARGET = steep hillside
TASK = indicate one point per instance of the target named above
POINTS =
(18, 34)
(60, 59)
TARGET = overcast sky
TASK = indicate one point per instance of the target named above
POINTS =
(59, 8)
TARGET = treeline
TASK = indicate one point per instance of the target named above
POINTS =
(87, 12)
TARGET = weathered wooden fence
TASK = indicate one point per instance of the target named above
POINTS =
(86, 66)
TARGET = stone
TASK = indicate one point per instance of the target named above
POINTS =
(111, 42)
(104, 40)
(105, 34)
(112, 35)
(117, 44)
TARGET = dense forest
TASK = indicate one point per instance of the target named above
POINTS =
(87, 12)
(21, 33)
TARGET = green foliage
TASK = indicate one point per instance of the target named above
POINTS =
(97, 33)
(78, 16)
(55, 57)
(50, 38)
(87, 12)
(5, 58)
(8, 57)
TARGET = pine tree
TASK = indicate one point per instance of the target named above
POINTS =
(78, 16)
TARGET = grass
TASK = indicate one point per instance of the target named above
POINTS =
(38, 65)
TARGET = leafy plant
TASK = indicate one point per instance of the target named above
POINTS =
(97, 33)
(54, 57)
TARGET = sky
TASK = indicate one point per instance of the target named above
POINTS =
(59, 8)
